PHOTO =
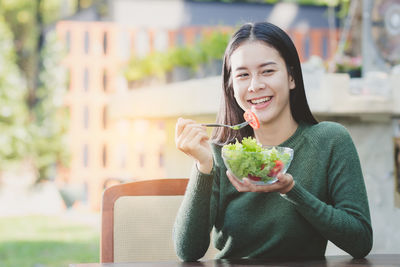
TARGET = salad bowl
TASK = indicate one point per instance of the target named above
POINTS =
(260, 164)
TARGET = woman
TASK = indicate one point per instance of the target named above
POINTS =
(321, 197)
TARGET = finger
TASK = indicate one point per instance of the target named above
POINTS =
(283, 182)
(192, 126)
(284, 179)
(181, 125)
(268, 188)
(250, 186)
(193, 139)
(191, 132)
(236, 183)
(287, 183)
(184, 129)
(192, 144)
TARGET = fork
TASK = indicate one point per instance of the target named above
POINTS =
(234, 127)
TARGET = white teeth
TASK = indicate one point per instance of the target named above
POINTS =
(261, 100)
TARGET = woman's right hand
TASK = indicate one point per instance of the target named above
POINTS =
(192, 139)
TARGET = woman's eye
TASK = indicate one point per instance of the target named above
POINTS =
(242, 75)
(268, 71)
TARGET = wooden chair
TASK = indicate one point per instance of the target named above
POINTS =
(137, 220)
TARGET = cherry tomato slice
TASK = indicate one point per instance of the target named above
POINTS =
(253, 177)
(276, 169)
(252, 119)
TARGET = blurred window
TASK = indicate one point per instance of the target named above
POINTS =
(105, 80)
(125, 43)
(161, 159)
(86, 117)
(105, 43)
(104, 157)
(180, 39)
(122, 155)
(68, 41)
(86, 42)
(105, 117)
(142, 43)
(68, 79)
(85, 156)
(86, 80)
(325, 45)
(307, 46)
(142, 158)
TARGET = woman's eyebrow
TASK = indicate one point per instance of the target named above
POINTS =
(267, 63)
(260, 66)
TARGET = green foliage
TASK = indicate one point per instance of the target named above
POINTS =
(51, 117)
(14, 136)
(153, 64)
(213, 46)
(20, 18)
(32, 120)
(184, 56)
(157, 64)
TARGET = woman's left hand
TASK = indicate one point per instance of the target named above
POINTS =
(284, 184)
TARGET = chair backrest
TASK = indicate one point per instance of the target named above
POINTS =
(137, 220)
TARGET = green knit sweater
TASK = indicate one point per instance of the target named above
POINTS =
(327, 202)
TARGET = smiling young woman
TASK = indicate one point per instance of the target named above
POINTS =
(321, 197)
(261, 83)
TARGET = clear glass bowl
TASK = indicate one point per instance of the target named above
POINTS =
(261, 168)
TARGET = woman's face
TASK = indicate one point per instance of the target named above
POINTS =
(261, 82)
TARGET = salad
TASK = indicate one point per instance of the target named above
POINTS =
(250, 159)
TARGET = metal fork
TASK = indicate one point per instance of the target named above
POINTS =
(234, 127)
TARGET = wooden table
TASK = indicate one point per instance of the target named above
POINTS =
(377, 260)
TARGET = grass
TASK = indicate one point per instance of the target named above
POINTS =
(46, 241)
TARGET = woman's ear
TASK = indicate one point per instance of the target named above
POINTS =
(292, 84)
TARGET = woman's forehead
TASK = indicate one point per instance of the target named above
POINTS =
(254, 54)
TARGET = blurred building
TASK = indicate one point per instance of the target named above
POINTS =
(120, 134)
(173, 14)
(110, 141)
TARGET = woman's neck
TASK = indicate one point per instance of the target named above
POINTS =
(275, 133)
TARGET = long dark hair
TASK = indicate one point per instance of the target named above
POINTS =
(230, 112)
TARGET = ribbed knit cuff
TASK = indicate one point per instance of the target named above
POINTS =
(201, 181)
(297, 195)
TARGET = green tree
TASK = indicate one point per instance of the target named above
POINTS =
(41, 123)
(14, 135)
(49, 147)
(29, 21)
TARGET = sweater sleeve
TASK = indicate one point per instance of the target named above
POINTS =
(345, 221)
(194, 221)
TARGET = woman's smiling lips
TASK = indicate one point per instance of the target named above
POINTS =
(260, 102)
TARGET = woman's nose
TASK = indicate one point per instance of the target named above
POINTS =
(256, 83)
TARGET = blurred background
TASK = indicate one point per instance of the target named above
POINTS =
(90, 91)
